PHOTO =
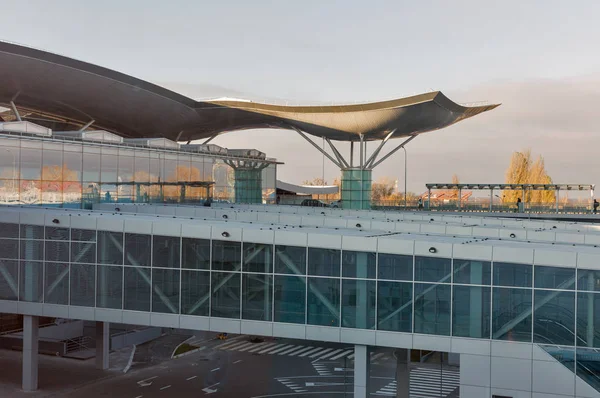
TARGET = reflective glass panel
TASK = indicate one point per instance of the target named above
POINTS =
(323, 262)
(9, 280)
(196, 253)
(84, 235)
(588, 319)
(554, 277)
(509, 274)
(359, 264)
(432, 309)
(8, 230)
(226, 256)
(258, 257)
(195, 292)
(394, 306)
(110, 247)
(471, 312)
(587, 365)
(91, 167)
(290, 260)
(432, 269)
(165, 291)
(166, 251)
(290, 299)
(511, 314)
(397, 267)
(588, 279)
(472, 272)
(57, 233)
(32, 231)
(137, 249)
(554, 317)
(56, 285)
(83, 252)
(32, 249)
(225, 295)
(73, 162)
(9, 248)
(31, 278)
(57, 251)
(323, 305)
(109, 289)
(358, 304)
(83, 285)
(257, 293)
(137, 289)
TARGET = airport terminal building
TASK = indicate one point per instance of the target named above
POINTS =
(102, 219)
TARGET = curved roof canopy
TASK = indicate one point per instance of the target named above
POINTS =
(78, 92)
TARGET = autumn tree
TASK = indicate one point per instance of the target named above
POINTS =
(523, 170)
(383, 190)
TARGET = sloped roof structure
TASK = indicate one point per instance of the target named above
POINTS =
(78, 92)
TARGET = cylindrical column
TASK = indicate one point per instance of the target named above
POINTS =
(30, 352)
(248, 185)
(356, 188)
(362, 367)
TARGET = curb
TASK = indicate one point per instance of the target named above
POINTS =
(188, 353)
(179, 345)
(126, 369)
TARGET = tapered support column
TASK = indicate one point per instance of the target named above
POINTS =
(102, 345)
(30, 352)
(362, 370)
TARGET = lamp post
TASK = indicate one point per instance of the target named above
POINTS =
(405, 173)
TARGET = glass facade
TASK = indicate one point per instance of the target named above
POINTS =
(356, 189)
(300, 285)
(75, 174)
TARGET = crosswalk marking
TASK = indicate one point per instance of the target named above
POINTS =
(310, 352)
(319, 353)
(288, 352)
(331, 353)
(296, 352)
(426, 383)
(278, 349)
(234, 346)
(343, 354)
(262, 347)
(251, 346)
(292, 350)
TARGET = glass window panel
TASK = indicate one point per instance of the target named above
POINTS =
(358, 304)
(83, 252)
(432, 309)
(31, 164)
(431, 269)
(9, 163)
(32, 249)
(226, 256)
(472, 272)
(554, 317)
(587, 364)
(110, 247)
(141, 169)
(471, 311)
(508, 274)
(323, 262)
(109, 168)
(56, 286)
(196, 253)
(137, 249)
(588, 319)
(31, 278)
(165, 291)
(511, 314)
(290, 299)
(57, 233)
(257, 293)
(394, 306)
(588, 279)
(225, 295)
(9, 280)
(290, 260)
(137, 289)
(323, 305)
(57, 251)
(73, 164)
(9, 248)
(32, 231)
(554, 277)
(359, 264)
(52, 167)
(91, 167)
(9, 230)
(83, 285)
(109, 292)
(126, 161)
(258, 257)
(395, 266)
(195, 292)
(166, 251)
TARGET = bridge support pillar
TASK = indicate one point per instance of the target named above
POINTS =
(362, 370)
(102, 345)
(402, 372)
(248, 180)
(30, 352)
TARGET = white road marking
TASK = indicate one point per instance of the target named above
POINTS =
(139, 396)
(296, 352)
(343, 369)
(148, 379)
(236, 344)
(270, 352)
(165, 387)
(209, 389)
(262, 347)
(276, 345)
(191, 378)
(331, 353)
(231, 341)
(288, 351)
(343, 354)
(253, 345)
(215, 369)
(318, 353)
(246, 345)
(377, 356)
(310, 352)
(238, 361)
(351, 356)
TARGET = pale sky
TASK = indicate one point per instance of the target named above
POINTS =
(540, 59)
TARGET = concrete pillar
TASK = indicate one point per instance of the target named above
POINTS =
(362, 370)
(30, 352)
(476, 312)
(590, 313)
(402, 373)
(102, 345)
